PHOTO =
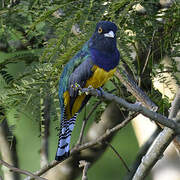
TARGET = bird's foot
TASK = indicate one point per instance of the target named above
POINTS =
(100, 91)
(87, 90)
(75, 89)
(76, 86)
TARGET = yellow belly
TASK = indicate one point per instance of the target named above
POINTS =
(98, 79)
(100, 76)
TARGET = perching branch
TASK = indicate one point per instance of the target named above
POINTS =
(14, 169)
(137, 107)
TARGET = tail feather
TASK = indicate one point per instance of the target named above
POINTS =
(66, 129)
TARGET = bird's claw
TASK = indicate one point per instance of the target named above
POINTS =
(100, 91)
(74, 89)
(76, 86)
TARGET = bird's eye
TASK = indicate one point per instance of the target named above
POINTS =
(100, 30)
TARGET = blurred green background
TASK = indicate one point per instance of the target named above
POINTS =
(107, 167)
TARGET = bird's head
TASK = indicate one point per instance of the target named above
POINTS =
(104, 37)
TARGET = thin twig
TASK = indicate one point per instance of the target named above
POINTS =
(87, 118)
(82, 128)
(149, 51)
(85, 166)
(85, 122)
(119, 156)
(14, 169)
(82, 131)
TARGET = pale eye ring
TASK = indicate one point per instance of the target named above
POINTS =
(100, 30)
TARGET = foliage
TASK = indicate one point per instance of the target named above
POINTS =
(38, 35)
(29, 26)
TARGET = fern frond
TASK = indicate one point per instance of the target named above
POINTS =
(6, 76)
(13, 57)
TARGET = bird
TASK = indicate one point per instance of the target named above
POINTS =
(91, 66)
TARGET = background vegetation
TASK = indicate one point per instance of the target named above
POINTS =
(38, 37)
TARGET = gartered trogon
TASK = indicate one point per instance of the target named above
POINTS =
(92, 66)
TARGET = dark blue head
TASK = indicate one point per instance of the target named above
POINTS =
(104, 37)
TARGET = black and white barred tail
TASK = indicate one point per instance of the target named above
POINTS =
(66, 129)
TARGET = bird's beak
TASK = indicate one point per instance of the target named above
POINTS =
(109, 34)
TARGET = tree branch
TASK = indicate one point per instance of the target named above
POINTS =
(137, 107)
(175, 106)
(160, 144)
(14, 169)
(102, 137)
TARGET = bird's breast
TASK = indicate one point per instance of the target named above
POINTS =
(99, 77)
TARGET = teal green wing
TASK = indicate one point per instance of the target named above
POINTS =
(77, 70)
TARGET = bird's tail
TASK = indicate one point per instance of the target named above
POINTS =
(64, 138)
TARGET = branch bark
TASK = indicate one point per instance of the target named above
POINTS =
(160, 144)
(137, 107)
(14, 169)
